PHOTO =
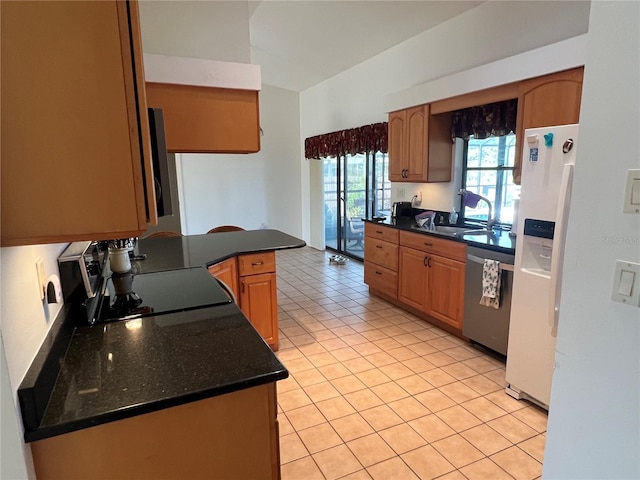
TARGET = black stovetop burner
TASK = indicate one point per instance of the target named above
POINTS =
(128, 295)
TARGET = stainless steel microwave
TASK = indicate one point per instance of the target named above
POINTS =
(81, 266)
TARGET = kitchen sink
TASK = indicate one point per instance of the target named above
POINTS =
(454, 230)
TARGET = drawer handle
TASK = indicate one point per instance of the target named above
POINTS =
(379, 231)
(257, 264)
(378, 246)
(378, 273)
(428, 244)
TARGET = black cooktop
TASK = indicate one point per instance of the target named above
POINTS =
(128, 295)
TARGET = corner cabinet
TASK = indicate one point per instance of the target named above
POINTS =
(76, 157)
(416, 141)
(227, 272)
(546, 101)
(431, 276)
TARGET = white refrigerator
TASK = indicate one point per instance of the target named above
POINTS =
(547, 171)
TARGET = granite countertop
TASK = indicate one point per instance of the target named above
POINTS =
(501, 241)
(93, 374)
(168, 253)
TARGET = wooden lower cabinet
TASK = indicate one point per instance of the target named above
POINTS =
(258, 301)
(252, 278)
(422, 272)
(231, 436)
(381, 258)
(432, 284)
(227, 272)
(445, 297)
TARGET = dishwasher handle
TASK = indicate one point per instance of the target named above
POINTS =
(503, 266)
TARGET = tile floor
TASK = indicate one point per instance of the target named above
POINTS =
(376, 393)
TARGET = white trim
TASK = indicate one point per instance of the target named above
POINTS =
(552, 58)
(201, 72)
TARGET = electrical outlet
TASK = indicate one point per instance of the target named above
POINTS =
(401, 193)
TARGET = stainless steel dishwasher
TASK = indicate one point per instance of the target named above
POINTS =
(487, 326)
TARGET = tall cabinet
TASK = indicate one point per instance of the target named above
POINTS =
(76, 161)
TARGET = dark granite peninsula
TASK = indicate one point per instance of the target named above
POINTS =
(183, 395)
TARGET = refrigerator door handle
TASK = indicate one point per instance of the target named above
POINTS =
(559, 236)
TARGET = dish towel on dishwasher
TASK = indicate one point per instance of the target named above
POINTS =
(491, 283)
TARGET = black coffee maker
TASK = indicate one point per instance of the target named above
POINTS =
(401, 209)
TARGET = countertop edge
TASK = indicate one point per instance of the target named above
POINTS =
(42, 433)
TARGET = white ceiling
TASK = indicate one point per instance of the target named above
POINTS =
(301, 43)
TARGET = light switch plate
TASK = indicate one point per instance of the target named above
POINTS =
(632, 192)
(626, 279)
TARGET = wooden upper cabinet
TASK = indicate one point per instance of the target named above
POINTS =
(74, 129)
(546, 101)
(397, 163)
(416, 152)
(201, 119)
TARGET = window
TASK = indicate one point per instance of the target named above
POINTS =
(488, 171)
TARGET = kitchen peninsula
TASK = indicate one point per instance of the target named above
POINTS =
(189, 394)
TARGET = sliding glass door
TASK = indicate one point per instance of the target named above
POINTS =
(355, 186)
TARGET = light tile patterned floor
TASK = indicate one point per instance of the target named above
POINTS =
(376, 393)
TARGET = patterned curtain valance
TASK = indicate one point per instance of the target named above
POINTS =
(485, 120)
(368, 138)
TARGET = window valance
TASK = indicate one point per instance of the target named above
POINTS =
(368, 138)
(485, 120)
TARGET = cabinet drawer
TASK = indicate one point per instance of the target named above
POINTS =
(381, 279)
(435, 245)
(382, 233)
(381, 253)
(254, 263)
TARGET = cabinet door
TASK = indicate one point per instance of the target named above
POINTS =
(397, 159)
(547, 101)
(416, 138)
(206, 119)
(258, 297)
(413, 278)
(227, 272)
(74, 128)
(446, 290)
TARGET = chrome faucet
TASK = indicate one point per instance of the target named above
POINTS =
(490, 220)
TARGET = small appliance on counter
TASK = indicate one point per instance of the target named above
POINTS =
(81, 266)
(401, 210)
